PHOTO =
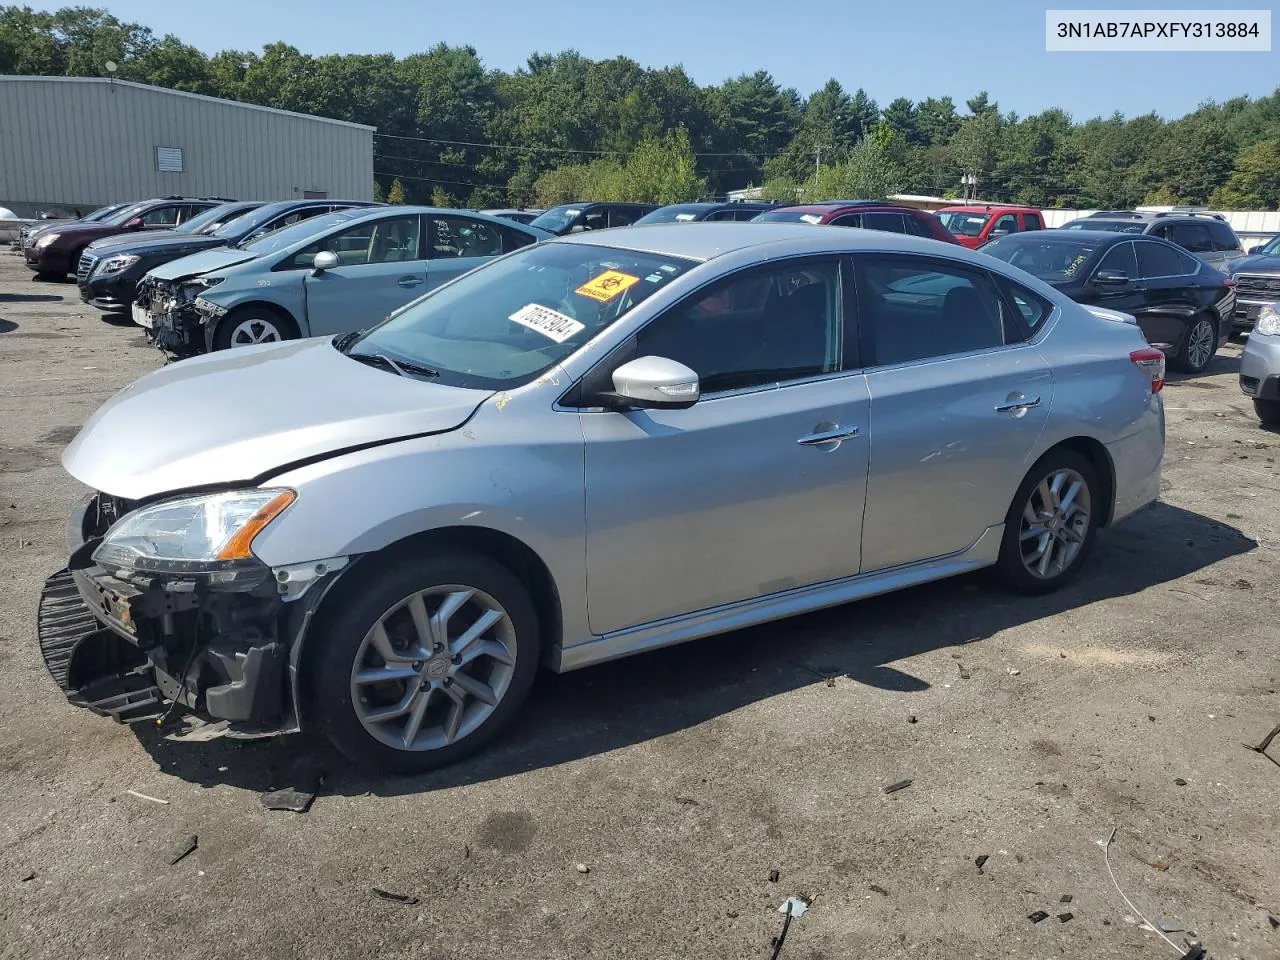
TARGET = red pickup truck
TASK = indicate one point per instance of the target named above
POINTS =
(975, 224)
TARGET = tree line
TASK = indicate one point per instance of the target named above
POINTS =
(565, 127)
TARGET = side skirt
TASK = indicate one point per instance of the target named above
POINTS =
(983, 552)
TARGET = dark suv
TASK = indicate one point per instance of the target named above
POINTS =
(1182, 305)
(109, 270)
(868, 214)
(576, 217)
(715, 211)
(56, 252)
(1207, 235)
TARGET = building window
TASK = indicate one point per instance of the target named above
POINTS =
(169, 159)
(315, 194)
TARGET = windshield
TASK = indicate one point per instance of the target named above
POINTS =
(678, 213)
(506, 322)
(1272, 247)
(123, 214)
(964, 224)
(558, 218)
(102, 213)
(1111, 226)
(789, 216)
(1054, 261)
(288, 236)
(214, 215)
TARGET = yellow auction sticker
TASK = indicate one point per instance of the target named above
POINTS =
(607, 286)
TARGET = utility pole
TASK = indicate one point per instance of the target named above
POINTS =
(817, 159)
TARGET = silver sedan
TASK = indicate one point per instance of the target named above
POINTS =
(586, 449)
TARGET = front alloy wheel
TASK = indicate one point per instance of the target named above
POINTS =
(253, 330)
(420, 659)
(1051, 523)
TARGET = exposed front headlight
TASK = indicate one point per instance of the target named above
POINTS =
(1268, 323)
(45, 239)
(194, 287)
(117, 264)
(192, 534)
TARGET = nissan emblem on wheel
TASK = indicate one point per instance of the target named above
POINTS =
(590, 447)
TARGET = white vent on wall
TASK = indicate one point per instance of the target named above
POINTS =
(169, 159)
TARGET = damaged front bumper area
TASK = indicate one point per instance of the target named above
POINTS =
(177, 325)
(140, 647)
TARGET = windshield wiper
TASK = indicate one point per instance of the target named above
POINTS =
(403, 368)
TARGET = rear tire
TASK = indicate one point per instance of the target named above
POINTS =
(1198, 346)
(247, 326)
(1051, 524)
(1268, 411)
(457, 696)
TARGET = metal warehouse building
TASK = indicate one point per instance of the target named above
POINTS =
(81, 142)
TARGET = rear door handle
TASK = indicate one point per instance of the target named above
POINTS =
(1016, 403)
(828, 436)
(410, 281)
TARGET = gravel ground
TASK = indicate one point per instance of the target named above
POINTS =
(680, 780)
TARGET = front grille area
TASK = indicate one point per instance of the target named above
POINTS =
(85, 267)
(1262, 286)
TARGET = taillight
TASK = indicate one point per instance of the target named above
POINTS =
(1151, 362)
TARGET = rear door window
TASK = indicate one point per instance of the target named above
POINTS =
(918, 308)
(848, 220)
(1156, 260)
(623, 216)
(1190, 236)
(1031, 221)
(453, 236)
(1223, 237)
(892, 222)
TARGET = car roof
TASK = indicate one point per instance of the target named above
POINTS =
(986, 208)
(706, 240)
(1092, 236)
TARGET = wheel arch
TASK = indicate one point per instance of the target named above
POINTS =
(267, 306)
(513, 553)
(1095, 451)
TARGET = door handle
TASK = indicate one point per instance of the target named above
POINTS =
(828, 436)
(1016, 403)
(410, 281)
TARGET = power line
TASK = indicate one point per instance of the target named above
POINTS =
(457, 183)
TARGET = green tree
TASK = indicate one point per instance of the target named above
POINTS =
(869, 173)
(901, 117)
(396, 194)
(1254, 183)
(1200, 156)
(378, 194)
(975, 148)
(663, 170)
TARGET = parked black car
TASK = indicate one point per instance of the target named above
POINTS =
(1182, 304)
(576, 217)
(1257, 280)
(1207, 235)
(518, 216)
(109, 270)
(694, 212)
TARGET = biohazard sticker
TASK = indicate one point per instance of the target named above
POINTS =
(550, 323)
(607, 286)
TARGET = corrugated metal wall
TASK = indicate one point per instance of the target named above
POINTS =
(87, 142)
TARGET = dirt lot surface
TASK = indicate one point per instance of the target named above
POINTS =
(1030, 728)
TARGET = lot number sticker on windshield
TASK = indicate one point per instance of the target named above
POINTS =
(607, 286)
(550, 323)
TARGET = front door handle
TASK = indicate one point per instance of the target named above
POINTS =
(828, 436)
(410, 281)
(1017, 403)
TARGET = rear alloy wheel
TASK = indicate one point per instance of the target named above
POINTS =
(424, 665)
(1198, 347)
(1051, 524)
(246, 328)
(1268, 411)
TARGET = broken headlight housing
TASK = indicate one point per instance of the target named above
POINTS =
(1268, 322)
(202, 534)
(197, 285)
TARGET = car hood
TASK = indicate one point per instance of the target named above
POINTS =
(237, 415)
(1257, 263)
(204, 262)
(160, 241)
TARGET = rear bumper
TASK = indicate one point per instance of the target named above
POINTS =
(1137, 459)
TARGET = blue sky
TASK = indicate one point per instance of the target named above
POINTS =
(912, 48)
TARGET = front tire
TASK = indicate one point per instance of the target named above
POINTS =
(1051, 523)
(1268, 411)
(1198, 346)
(252, 325)
(423, 661)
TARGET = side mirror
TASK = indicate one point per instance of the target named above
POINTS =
(998, 233)
(1111, 278)
(653, 383)
(325, 260)
(577, 228)
(133, 224)
(1255, 249)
